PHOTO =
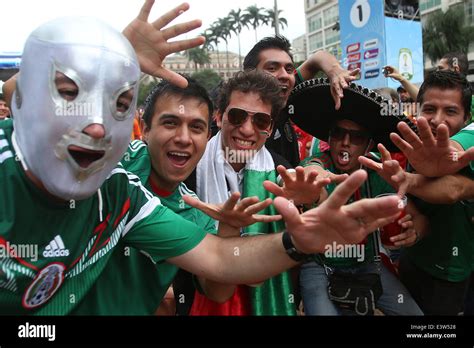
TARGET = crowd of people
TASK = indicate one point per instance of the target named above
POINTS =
(140, 213)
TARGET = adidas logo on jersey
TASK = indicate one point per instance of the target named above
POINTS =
(56, 248)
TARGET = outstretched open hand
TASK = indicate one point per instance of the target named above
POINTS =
(300, 188)
(150, 40)
(431, 156)
(390, 170)
(234, 213)
(335, 222)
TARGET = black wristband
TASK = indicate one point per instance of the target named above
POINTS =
(291, 250)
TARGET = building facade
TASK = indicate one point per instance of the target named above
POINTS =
(223, 63)
(298, 49)
(322, 27)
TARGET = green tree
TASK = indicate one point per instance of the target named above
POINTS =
(197, 55)
(272, 19)
(446, 32)
(214, 36)
(143, 91)
(237, 22)
(255, 16)
(225, 26)
(207, 78)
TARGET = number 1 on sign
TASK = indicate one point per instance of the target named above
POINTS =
(360, 13)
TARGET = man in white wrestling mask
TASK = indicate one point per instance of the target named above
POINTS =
(74, 104)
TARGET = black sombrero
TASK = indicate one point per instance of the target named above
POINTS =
(311, 107)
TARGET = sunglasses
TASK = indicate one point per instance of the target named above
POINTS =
(356, 137)
(238, 116)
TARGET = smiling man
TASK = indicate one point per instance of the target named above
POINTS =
(247, 107)
(273, 56)
(174, 156)
(436, 270)
(175, 128)
(236, 160)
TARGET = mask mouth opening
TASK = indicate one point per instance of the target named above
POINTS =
(84, 157)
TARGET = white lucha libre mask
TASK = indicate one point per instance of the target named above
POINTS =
(50, 117)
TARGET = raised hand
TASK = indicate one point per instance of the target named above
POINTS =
(340, 78)
(393, 73)
(298, 188)
(431, 156)
(234, 213)
(323, 173)
(390, 170)
(150, 40)
(335, 222)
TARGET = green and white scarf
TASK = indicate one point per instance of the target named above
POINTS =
(215, 181)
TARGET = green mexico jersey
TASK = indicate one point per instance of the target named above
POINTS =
(466, 138)
(132, 284)
(377, 187)
(52, 253)
(137, 160)
(447, 252)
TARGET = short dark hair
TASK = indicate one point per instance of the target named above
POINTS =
(265, 85)
(448, 80)
(165, 88)
(459, 59)
(278, 42)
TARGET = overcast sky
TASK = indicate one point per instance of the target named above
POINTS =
(20, 17)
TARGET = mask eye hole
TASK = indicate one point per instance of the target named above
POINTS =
(123, 102)
(66, 87)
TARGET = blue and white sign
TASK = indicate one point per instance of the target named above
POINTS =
(405, 51)
(363, 37)
(370, 40)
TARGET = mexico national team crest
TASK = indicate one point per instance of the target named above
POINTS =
(43, 287)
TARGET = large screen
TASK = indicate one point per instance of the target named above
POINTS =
(403, 9)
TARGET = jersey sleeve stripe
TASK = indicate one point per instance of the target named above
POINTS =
(145, 211)
(133, 180)
(136, 145)
(5, 155)
(183, 190)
